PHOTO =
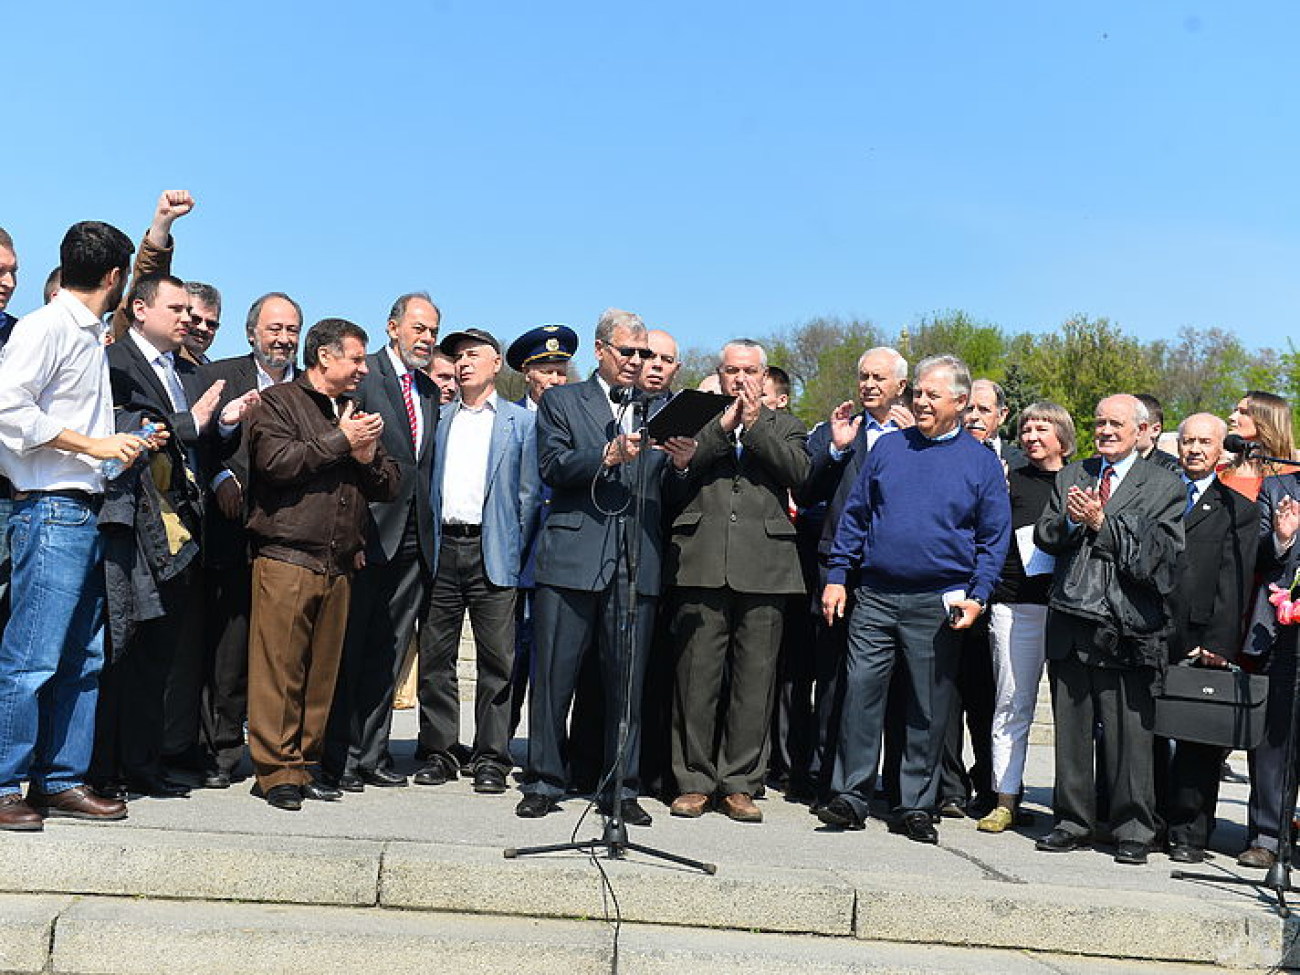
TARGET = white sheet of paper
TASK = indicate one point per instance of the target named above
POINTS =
(1034, 559)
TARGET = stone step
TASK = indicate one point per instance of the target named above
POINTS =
(398, 881)
(120, 936)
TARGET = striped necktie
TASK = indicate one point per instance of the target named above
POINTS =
(1103, 490)
(409, 400)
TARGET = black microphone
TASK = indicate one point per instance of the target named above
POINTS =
(1238, 444)
(626, 394)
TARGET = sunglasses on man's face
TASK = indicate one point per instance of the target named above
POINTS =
(627, 351)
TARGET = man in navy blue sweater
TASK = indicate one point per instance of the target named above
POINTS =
(923, 537)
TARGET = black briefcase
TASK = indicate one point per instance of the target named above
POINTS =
(1212, 706)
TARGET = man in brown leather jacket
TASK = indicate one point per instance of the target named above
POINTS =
(314, 463)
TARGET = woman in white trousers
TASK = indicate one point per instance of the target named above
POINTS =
(1018, 608)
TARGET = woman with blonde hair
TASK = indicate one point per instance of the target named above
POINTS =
(1263, 419)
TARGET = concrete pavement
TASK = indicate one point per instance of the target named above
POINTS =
(377, 878)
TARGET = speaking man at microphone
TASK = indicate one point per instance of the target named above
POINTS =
(592, 457)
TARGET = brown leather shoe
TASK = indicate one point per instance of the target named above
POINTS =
(740, 807)
(79, 802)
(690, 805)
(1257, 858)
(16, 814)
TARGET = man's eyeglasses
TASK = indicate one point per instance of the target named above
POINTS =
(198, 320)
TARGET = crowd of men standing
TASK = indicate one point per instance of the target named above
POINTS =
(212, 559)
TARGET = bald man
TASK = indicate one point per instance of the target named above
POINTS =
(1115, 525)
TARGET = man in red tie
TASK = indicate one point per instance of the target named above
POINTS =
(392, 590)
(1114, 524)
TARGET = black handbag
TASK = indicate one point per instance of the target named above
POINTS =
(1212, 706)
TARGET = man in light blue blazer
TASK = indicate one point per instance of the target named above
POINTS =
(485, 499)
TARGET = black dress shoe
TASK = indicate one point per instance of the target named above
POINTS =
(954, 808)
(463, 756)
(285, 796)
(436, 771)
(381, 777)
(158, 787)
(117, 791)
(489, 779)
(1130, 852)
(1186, 853)
(840, 813)
(349, 782)
(318, 791)
(630, 811)
(1061, 841)
(216, 780)
(535, 806)
(916, 826)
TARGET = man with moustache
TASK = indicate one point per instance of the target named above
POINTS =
(936, 494)
(151, 687)
(56, 427)
(391, 591)
(1115, 524)
(543, 355)
(272, 327)
(836, 451)
(314, 461)
(1206, 609)
(592, 459)
(964, 790)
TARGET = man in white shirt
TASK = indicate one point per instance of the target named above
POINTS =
(56, 427)
(485, 500)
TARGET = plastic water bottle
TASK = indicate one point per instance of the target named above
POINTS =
(111, 467)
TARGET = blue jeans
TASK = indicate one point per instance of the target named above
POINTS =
(6, 506)
(53, 647)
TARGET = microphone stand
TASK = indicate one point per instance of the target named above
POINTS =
(613, 840)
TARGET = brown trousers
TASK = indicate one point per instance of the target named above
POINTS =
(295, 641)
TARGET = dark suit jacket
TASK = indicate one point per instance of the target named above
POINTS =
(381, 392)
(1214, 572)
(1012, 454)
(732, 525)
(225, 541)
(583, 538)
(137, 388)
(1262, 629)
(829, 482)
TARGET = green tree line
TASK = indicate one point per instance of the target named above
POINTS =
(1200, 370)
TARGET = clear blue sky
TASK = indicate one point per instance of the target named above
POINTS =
(722, 168)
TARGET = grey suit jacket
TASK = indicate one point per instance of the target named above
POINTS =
(589, 523)
(732, 525)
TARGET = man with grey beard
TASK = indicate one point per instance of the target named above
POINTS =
(273, 325)
(392, 590)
